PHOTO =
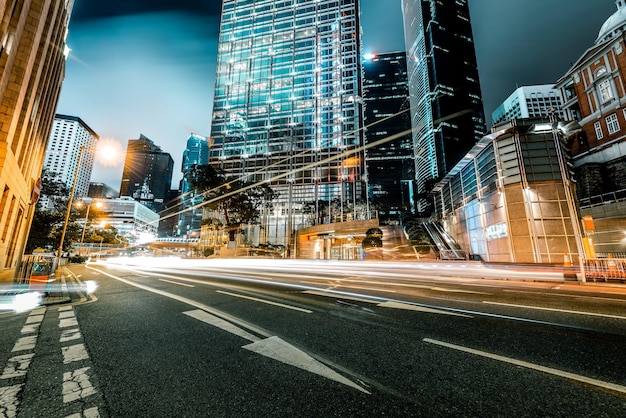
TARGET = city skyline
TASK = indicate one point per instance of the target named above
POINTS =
(160, 82)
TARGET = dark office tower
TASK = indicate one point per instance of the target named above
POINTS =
(288, 104)
(196, 153)
(147, 173)
(446, 102)
(390, 166)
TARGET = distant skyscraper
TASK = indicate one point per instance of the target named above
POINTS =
(287, 97)
(531, 102)
(196, 153)
(102, 191)
(69, 134)
(390, 166)
(147, 174)
(446, 102)
(32, 67)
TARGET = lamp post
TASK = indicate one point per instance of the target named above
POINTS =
(82, 237)
(71, 199)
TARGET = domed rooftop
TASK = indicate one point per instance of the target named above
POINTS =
(615, 22)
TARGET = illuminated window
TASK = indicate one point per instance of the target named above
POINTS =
(598, 129)
(612, 124)
(605, 90)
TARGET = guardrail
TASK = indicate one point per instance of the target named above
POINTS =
(605, 268)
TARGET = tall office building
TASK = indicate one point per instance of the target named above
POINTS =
(531, 102)
(147, 174)
(390, 165)
(196, 153)
(69, 135)
(446, 101)
(32, 67)
(288, 104)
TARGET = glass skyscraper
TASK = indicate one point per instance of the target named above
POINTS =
(288, 104)
(446, 101)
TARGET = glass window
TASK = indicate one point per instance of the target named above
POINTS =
(606, 92)
(598, 128)
(612, 124)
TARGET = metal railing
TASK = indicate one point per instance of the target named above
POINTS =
(603, 199)
(605, 268)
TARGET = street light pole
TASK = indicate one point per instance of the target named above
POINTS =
(70, 200)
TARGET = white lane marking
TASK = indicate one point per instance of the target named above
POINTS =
(190, 302)
(66, 314)
(68, 322)
(416, 286)
(264, 301)
(34, 319)
(17, 366)
(173, 282)
(30, 328)
(25, 343)
(278, 349)
(69, 335)
(563, 295)
(87, 413)
(338, 296)
(73, 353)
(409, 307)
(65, 308)
(555, 310)
(9, 400)
(76, 385)
(528, 365)
(220, 323)
(39, 311)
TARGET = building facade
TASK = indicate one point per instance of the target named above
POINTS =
(132, 220)
(288, 106)
(70, 135)
(531, 102)
(446, 102)
(196, 153)
(389, 164)
(594, 89)
(32, 66)
(147, 174)
(511, 199)
(102, 191)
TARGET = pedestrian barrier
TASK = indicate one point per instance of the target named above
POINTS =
(608, 268)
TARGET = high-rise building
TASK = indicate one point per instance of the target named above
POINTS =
(531, 102)
(390, 165)
(446, 101)
(147, 174)
(288, 105)
(196, 153)
(70, 135)
(102, 191)
(32, 67)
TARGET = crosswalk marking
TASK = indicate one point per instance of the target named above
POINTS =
(73, 353)
(25, 343)
(17, 366)
(76, 385)
(9, 400)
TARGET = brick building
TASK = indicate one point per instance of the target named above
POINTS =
(594, 89)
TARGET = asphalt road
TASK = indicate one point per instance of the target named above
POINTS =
(280, 338)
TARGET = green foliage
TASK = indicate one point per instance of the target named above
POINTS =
(238, 201)
(47, 223)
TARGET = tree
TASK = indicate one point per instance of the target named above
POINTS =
(238, 201)
(45, 231)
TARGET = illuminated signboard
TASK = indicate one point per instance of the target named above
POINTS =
(496, 231)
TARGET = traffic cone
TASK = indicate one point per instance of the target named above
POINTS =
(567, 262)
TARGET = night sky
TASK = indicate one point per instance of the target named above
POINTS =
(148, 66)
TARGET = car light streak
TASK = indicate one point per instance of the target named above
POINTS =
(549, 370)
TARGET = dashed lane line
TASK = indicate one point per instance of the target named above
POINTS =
(538, 308)
(268, 302)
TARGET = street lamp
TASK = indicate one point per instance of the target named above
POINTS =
(82, 237)
(83, 148)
